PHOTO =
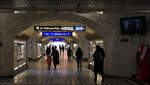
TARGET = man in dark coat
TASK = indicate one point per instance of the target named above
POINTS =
(99, 62)
(55, 55)
(69, 52)
(79, 54)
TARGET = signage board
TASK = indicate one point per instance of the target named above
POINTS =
(60, 28)
(53, 39)
(56, 33)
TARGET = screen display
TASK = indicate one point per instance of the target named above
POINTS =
(133, 25)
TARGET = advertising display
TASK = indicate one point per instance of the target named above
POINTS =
(39, 54)
(19, 54)
(20, 50)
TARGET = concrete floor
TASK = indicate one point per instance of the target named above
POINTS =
(66, 74)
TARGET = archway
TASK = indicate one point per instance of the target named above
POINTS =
(22, 21)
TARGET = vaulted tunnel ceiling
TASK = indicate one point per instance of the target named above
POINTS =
(29, 32)
(75, 5)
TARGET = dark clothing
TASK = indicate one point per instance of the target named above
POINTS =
(69, 52)
(99, 62)
(48, 51)
(79, 55)
(79, 63)
(55, 55)
(62, 48)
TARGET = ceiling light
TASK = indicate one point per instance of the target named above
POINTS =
(74, 34)
(17, 12)
(40, 34)
(100, 12)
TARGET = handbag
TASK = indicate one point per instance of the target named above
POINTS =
(48, 60)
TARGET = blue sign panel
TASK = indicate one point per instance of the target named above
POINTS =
(53, 39)
(79, 28)
(56, 33)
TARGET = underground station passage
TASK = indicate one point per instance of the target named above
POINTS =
(74, 42)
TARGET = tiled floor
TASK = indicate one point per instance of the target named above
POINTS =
(66, 74)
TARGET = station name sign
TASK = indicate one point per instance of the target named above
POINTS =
(60, 28)
(56, 33)
(60, 39)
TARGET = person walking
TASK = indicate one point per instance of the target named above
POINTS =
(60, 49)
(98, 58)
(55, 55)
(48, 51)
(79, 54)
(69, 52)
(48, 60)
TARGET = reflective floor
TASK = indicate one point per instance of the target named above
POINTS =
(66, 74)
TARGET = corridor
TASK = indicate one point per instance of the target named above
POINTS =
(66, 74)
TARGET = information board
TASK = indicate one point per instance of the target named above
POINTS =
(56, 33)
(53, 39)
(60, 28)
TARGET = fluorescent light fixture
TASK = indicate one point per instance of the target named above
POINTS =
(16, 68)
(100, 41)
(17, 12)
(20, 65)
(91, 63)
(100, 12)
(19, 42)
(24, 63)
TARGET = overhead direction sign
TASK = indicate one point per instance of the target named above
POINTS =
(53, 39)
(60, 28)
(56, 33)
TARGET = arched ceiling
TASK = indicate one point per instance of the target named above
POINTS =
(75, 5)
(90, 34)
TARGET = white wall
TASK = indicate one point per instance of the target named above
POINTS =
(85, 46)
(120, 56)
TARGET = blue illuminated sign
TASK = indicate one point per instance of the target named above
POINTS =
(53, 39)
(56, 33)
(79, 28)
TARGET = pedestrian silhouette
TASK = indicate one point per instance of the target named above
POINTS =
(98, 58)
(69, 53)
(55, 55)
(79, 54)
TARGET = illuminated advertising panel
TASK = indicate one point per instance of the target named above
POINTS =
(60, 28)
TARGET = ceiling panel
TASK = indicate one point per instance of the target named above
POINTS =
(74, 5)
